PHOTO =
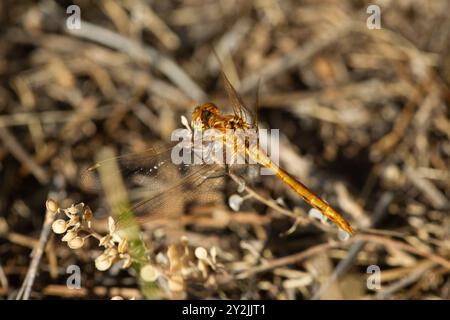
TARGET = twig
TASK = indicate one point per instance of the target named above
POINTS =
(296, 58)
(347, 262)
(295, 258)
(141, 53)
(157, 26)
(63, 291)
(435, 197)
(25, 290)
(272, 204)
(387, 143)
(45, 117)
(385, 241)
(229, 42)
(20, 154)
(407, 280)
(3, 278)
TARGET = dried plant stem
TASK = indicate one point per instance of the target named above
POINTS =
(344, 265)
(388, 242)
(141, 53)
(385, 241)
(38, 251)
(47, 117)
(22, 155)
(410, 278)
(3, 278)
(295, 258)
(272, 204)
(297, 57)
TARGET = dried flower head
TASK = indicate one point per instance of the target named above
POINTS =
(80, 218)
(178, 266)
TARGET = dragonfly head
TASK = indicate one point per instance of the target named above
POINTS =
(203, 115)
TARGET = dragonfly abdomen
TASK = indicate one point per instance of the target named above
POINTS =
(314, 200)
(303, 191)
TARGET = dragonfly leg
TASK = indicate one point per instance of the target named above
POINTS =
(214, 176)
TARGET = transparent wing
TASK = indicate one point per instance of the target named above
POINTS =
(255, 111)
(156, 184)
(238, 106)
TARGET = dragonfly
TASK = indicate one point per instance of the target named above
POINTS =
(162, 182)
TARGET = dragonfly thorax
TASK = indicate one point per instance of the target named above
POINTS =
(203, 116)
(208, 116)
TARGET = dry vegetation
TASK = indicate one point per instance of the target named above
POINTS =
(364, 119)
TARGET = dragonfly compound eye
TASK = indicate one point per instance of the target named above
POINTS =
(205, 117)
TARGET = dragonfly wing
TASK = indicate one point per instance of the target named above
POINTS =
(236, 102)
(201, 185)
(255, 111)
(132, 166)
(238, 106)
(156, 185)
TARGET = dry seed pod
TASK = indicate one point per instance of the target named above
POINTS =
(176, 283)
(111, 225)
(201, 253)
(235, 201)
(112, 252)
(103, 262)
(174, 258)
(123, 246)
(104, 241)
(75, 208)
(76, 243)
(127, 261)
(51, 205)
(213, 254)
(71, 234)
(203, 267)
(59, 226)
(149, 273)
(116, 237)
(74, 221)
(87, 216)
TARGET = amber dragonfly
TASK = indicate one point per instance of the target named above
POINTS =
(162, 182)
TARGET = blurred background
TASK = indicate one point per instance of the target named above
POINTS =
(364, 121)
